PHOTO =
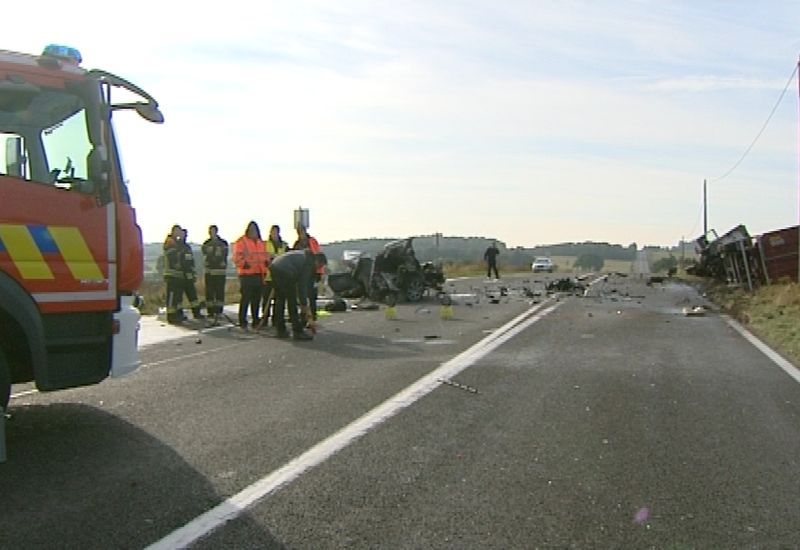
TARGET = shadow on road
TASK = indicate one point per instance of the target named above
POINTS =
(362, 346)
(79, 477)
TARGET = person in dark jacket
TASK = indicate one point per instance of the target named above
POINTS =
(173, 274)
(292, 273)
(275, 246)
(215, 261)
(491, 260)
(307, 242)
(190, 276)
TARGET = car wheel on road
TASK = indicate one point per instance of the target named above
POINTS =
(415, 289)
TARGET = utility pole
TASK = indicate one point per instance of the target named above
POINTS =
(705, 208)
(798, 172)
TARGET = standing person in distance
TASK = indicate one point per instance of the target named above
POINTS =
(189, 276)
(490, 256)
(307, 242)
(250, 258)
(173, 274)
(275, 246)
(215, 261)
(291, 273)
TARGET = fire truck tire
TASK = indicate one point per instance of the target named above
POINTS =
(5, 382)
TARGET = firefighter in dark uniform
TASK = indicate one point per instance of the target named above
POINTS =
(292, 274)
(189, 277)
(173, 274)
(215, 261)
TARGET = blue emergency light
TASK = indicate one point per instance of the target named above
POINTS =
(63, 53)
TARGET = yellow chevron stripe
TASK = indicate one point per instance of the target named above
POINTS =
(24, 253)
(76, 253)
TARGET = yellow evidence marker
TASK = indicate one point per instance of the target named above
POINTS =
(446, 312)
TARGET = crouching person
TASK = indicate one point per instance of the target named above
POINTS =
(292, 273)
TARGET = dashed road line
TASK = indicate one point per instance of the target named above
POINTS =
(316, 455)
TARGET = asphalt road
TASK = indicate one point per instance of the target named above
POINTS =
(641, 265)
(610, 420)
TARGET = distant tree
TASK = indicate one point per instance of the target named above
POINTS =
(589, 261)
(665, 264)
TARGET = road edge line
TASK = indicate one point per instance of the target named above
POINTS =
(787, 366)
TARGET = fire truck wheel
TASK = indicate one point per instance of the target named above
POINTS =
(5, 383)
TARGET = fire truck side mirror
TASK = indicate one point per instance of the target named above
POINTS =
(149, 111)
(15, 159)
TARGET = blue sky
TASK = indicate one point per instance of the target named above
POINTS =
(533, 122)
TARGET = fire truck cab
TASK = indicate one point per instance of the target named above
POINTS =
(71, 254)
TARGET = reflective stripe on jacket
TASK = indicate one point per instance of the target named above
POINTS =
(250, 256)
(273, 250)
(215, 256)
(173, 252)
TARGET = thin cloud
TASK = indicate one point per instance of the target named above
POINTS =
(713, 83)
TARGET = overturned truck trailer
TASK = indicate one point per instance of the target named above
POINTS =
(728, 258)
(736, 257)
(778, 254)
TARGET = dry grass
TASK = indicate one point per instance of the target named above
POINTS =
(564, 265)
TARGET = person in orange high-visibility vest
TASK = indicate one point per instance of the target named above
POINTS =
(251, 260)
(307, 242)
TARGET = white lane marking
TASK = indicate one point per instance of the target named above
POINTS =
(146, 365)
(23, 394)
(787, 367)
(237, 504)
(188, 356)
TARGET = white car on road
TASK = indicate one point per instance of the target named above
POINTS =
(540, 265)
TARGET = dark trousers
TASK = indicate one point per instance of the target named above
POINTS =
(191, 294)
(174, 297)
(251, 287)
(492, 265)
(312, 298)
(269, 300)
(285, 295)
(215, 293)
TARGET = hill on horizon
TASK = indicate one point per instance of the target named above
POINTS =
(450, 249)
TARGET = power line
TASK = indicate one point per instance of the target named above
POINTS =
(766, 122)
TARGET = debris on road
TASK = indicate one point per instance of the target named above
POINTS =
(464, 387)
(566, 285)
(696, 311)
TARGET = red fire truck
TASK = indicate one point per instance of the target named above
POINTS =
(71, 254)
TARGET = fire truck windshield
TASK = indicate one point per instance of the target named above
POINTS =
(45, 138)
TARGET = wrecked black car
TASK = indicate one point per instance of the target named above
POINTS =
(394, 274)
